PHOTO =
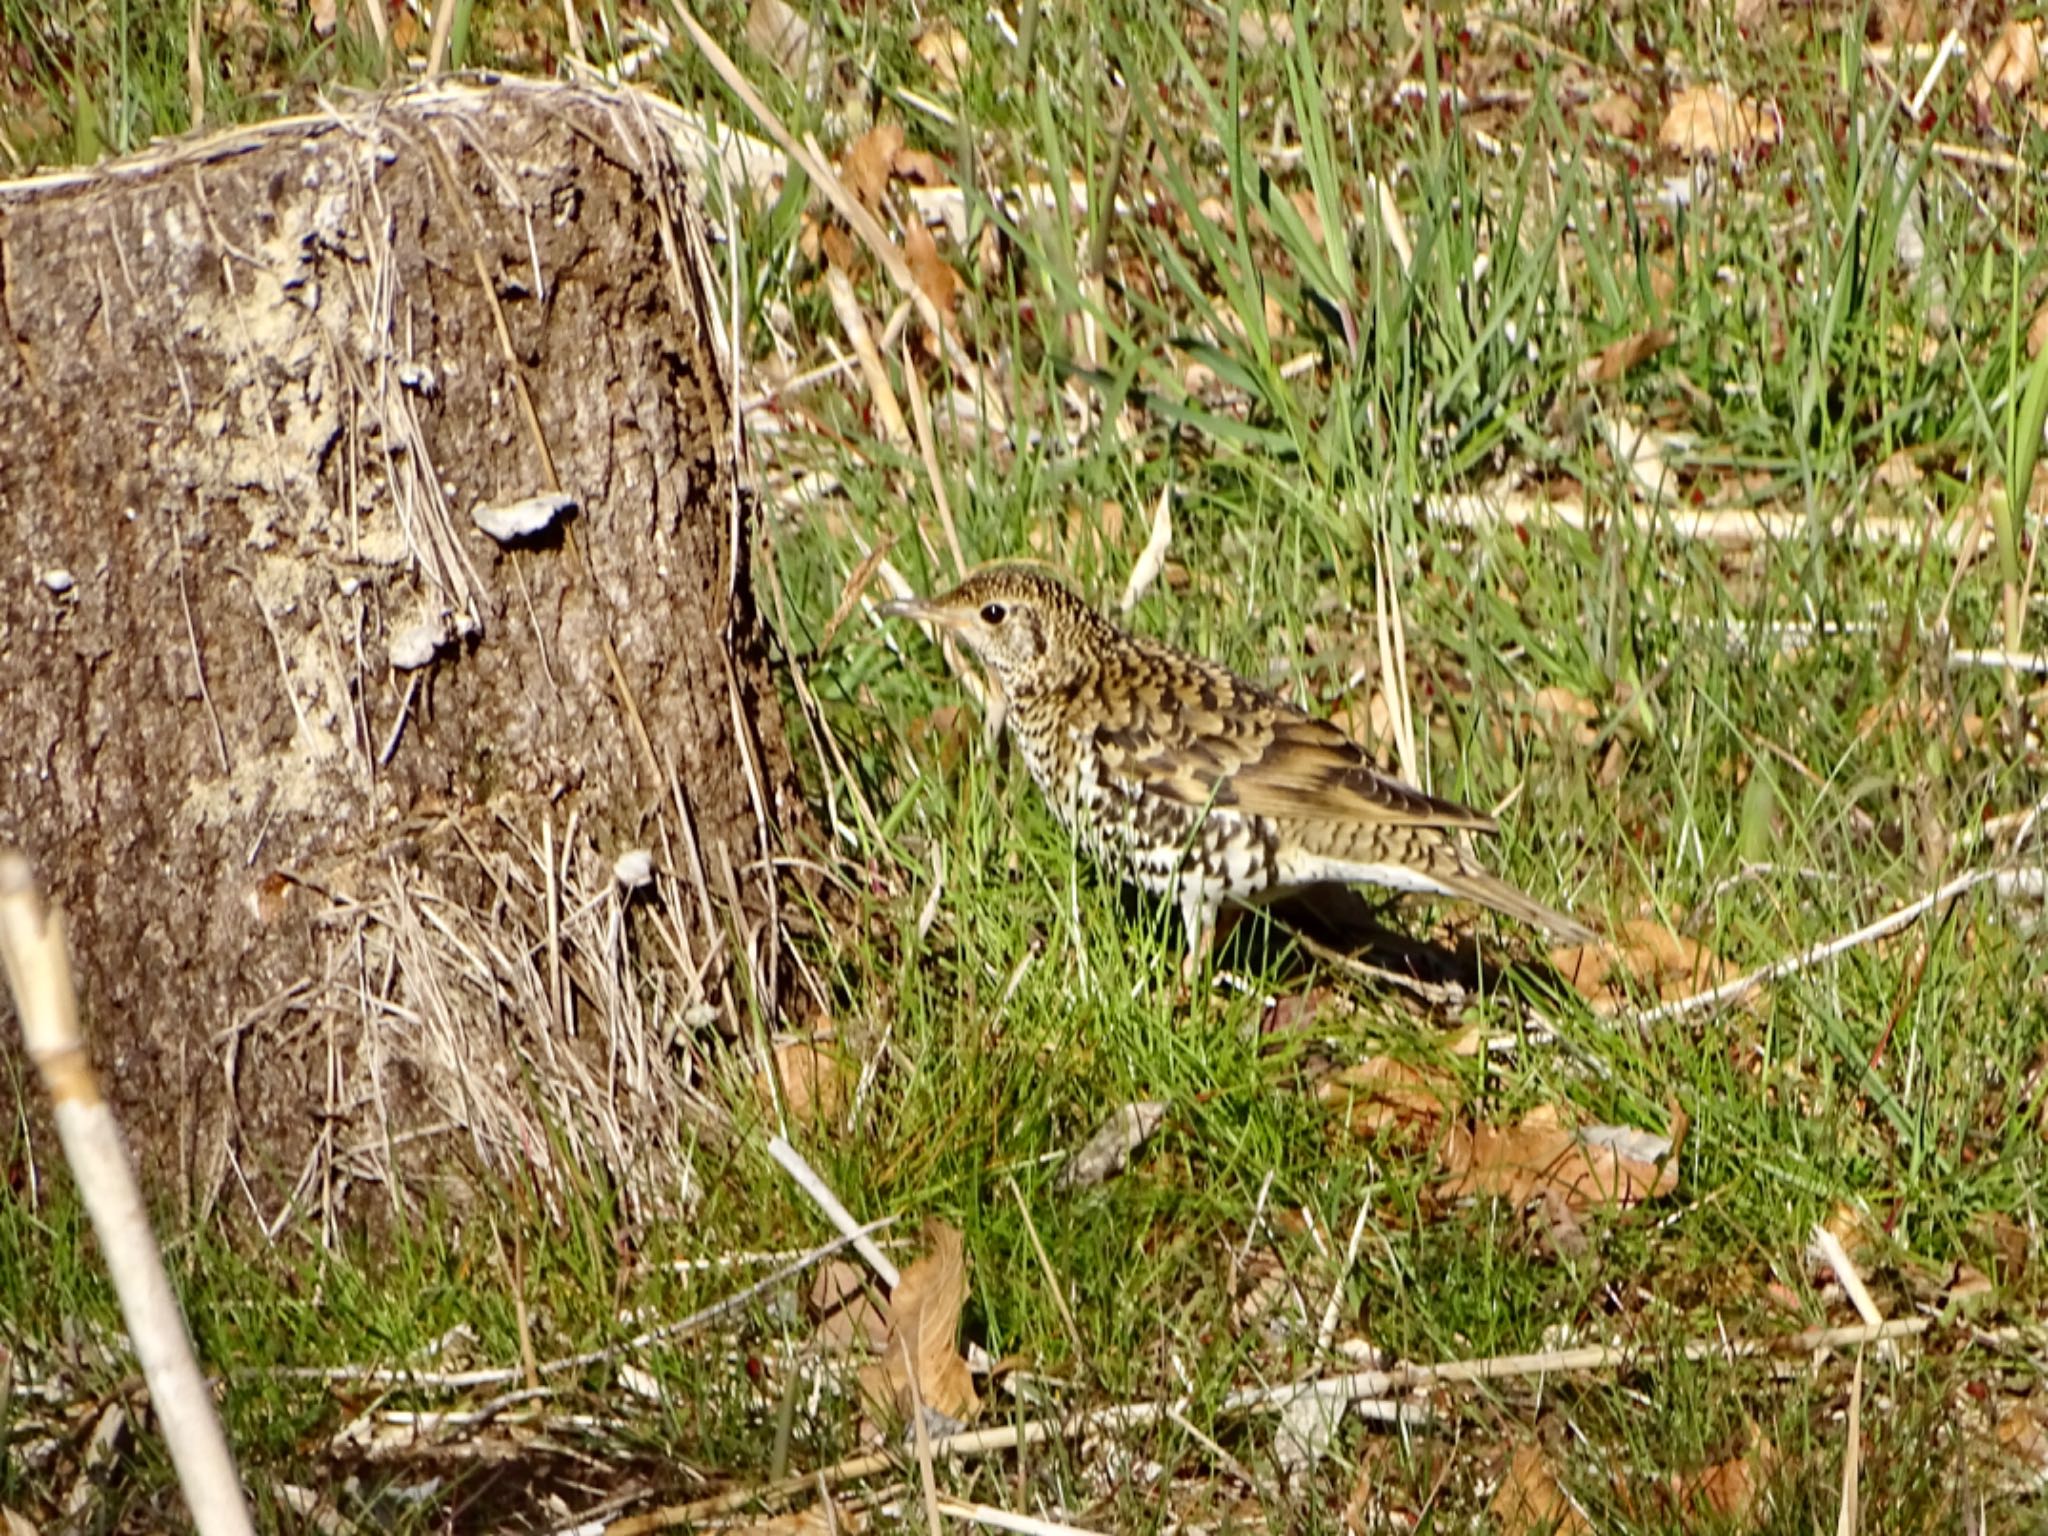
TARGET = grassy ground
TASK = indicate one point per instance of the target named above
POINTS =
(1757, 744)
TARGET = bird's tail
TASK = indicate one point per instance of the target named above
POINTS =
(1476, 885)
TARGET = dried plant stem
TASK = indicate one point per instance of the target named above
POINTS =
(1368, 1388)
(863, 223)
(1806, 959)
(39, 974)
(792, 1162)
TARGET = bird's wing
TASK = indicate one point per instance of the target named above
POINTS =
(1199, 735)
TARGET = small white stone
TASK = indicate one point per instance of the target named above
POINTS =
(416, 644)
(516, 519)
(633, 868)
(58, 580)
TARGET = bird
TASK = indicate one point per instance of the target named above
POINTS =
(1192, 782)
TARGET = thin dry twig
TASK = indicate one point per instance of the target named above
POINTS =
(456, 1381)
(928, 449)
(792, 1162)
(863, 223)
(38, 967)
(1806, 959)
(1363, 1387)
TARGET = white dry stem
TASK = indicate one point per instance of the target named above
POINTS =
(1806, 959)
(887, 253)
(39, 974)
(1726, 527)
(807, 1180)
(1152, 559)
(1364, 1390)
(1845, 1269)
(1850, 1518)
(1006, 1520)
(854, 321)
(928, 450)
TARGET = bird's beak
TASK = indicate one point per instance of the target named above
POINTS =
(917, 608)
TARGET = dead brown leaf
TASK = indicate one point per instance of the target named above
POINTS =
(1595, 1167)
(1712, 120)
(848, 1319)
(945, 53)
(818, 1520)
(1902, 21)
(1566, 714)
(838, 247)
(1735, 1489)
(865, 169)
(1643, 952)
(922, 168)
(1613, 361)
(941, 284)
(924, 1321)
(1530, 1502)
(1382, 1094)
(1256, 29)
(2011, 64)
(814, 1078)
(2037, 331)
(2004, 1243)
(779, 33)
(1617, 114)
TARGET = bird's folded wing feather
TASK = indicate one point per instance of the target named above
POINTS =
(1228, 745)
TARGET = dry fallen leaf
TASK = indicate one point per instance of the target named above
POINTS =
(1381, 1094)
(838, 247)
(2005, 1243)
(1643, 952)
(1613, 361)
(1566, 713)
(1108, 1152)
(1596, 1167)
(945, 53)
(2010, 65)
(2037, 331)
(924, 1321)
(1734, 1489)
(1257, 29)
(938, 280)
(848, 1319)
(865, 170)
(1530, 1502)
(1712, 120)
(780, 34)
(818, 1520)
(1617, 114)
(814, 1079)
(921, 168)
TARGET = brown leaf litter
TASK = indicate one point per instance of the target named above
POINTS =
(814, 1078)
(1531, 1502)
(1573, 1169)
(920, 1361)
(1643, 955)
(1711, 121)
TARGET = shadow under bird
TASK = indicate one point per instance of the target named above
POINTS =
(1190, 781)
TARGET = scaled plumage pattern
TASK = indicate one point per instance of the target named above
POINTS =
(1190, 781)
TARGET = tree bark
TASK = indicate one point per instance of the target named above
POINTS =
(331, 781)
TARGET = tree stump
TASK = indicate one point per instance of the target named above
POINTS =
(348, 799)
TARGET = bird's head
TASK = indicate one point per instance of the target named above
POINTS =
(1026, 626)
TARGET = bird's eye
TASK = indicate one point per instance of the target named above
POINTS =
(992, 615)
